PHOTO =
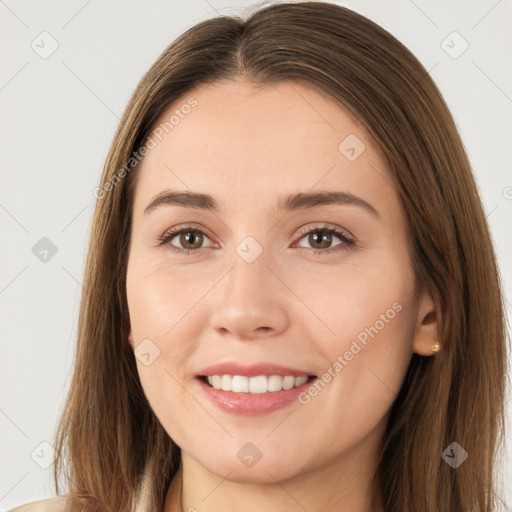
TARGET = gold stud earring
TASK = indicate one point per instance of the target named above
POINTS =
(436, 347)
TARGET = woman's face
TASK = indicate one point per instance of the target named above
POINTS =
(257, 282)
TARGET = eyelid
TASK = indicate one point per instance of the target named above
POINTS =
(174, 231)
(347, 239)
(319, 226)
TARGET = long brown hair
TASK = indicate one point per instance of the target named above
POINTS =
(111, 449)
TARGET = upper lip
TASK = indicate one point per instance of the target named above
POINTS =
(252, 370)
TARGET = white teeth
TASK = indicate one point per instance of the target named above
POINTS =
(258, 384)
(300, 380)
(240, 384)
(288, 382)
(217, 382)
(227, 383)
(275, 383)
(255, 385)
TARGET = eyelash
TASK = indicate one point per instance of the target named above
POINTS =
(347, 241)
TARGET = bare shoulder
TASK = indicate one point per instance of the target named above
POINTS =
(48, 505)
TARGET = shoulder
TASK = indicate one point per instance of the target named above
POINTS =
(48, 505)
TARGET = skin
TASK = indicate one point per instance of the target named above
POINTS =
(249, 148)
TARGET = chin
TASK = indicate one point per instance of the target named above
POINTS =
(262, 472)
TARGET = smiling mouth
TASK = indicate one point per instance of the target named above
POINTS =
(254, 385)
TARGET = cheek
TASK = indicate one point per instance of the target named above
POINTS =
(372, 315)
(162, 322)
(163, 309)
(366, 314)
(158, 300)
(364, 299)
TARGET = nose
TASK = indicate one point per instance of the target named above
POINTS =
(250, 302)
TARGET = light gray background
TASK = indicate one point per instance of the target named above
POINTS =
(58, 118)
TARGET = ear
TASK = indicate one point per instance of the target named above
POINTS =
(427, 324)
(130, 339)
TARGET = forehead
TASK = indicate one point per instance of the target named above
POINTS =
(242, 142)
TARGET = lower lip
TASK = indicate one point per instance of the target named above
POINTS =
(252, 404)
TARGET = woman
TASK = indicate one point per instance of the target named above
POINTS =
(291, 298)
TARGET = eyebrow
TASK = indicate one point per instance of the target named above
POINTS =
(297, 201)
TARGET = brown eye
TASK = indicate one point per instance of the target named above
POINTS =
(191, 239)
(185, 240)
(320, 239)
